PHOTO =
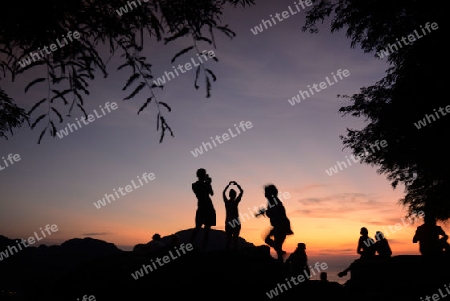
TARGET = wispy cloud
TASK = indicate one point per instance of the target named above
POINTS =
(310, 187)
(339, 204)
(95, 233)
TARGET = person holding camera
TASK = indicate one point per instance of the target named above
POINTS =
(205, 214)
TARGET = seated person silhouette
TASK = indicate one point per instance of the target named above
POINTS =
(205, 214)
(281, 226)
(329, 290)
(366, 248)
(173, 242)
(432, 239)
(232, 222)
(365, 245)
(155, 245)
(297, 262)
(382, 246)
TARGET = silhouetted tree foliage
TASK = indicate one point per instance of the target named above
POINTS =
(26, 26)
(412, 87)
(11, 116)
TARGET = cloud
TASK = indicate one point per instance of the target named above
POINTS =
(309, 187)
(339, 204)
(335, 252)
(95, 233)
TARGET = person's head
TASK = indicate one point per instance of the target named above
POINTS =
(270, 191)
(156, 236)
(201, 173)
(175, 239)
(429, 219)
(379, 235)
(323, 276)
(364, 231)
(301, 246)
(232, 194)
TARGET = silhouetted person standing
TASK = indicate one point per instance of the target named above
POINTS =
(428, 236)
(298, 261)
(232, 222)
(382, 245)
(206, 214)
(281, 226)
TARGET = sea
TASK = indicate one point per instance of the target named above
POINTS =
(335, 264)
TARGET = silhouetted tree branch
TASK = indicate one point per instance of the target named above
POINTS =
(69, 70)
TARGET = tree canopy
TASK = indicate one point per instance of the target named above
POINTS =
(413, 89)
(81, 27)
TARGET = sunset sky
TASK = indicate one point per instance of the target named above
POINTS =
(58, 181)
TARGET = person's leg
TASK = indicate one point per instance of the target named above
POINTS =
(352, 265)
(236, 238)
(194, 234)
(205, 238)
(198, 225)
(235, 241)
(268, 240)
(279, 239)
(228, 241)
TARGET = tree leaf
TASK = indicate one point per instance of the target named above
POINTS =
(165, 105)
(82, 110)
(199, 38)
(136, 91)
(131, 80)
(57, 113)
(145, 104)
(37, 80)
(60, 95)
(157, 121)
(36, 105)
(163, 129)
(208, 87)
(184, 31)
(157, 86)
(212, 74)
(162, 135)
(80, 98)
(37, 120)
(197, 73)
(33, 64)
(181, 53)
(123, 65)
(42, 135)
(53, 131)
(227, 31)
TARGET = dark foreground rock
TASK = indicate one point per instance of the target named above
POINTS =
(68, 273)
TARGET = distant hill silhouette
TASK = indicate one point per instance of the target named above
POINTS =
(89, 246)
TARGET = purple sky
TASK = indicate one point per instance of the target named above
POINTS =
(58, 181)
